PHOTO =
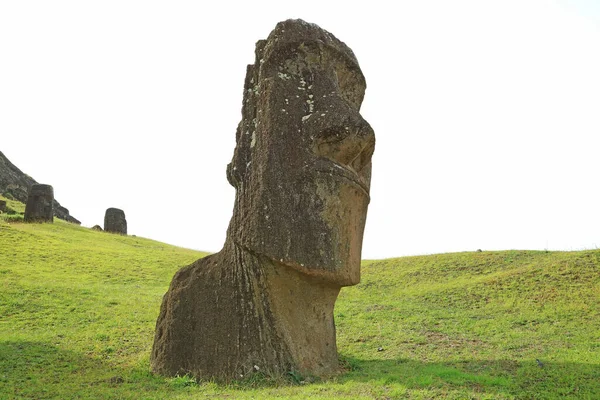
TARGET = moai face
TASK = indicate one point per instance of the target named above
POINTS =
(302, 166)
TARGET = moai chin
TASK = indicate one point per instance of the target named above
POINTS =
(115, 222)
(302, 171)
(39, 207)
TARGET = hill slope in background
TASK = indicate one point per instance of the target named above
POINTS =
(78, 309)
(15, 184)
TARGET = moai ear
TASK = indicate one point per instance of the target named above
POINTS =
(236, 169)
(232, 176)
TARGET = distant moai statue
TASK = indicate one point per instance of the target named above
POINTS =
(2, 205)
(114, 221)
(302, 172)
(39, 207)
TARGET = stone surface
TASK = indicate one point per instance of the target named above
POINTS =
(40, 204)
(66, 215)
(2, 205)
(15, 184)
(114, 221)
(301, 169)
(97, 228)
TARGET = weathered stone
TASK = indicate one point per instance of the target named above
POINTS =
(115, 222)
(15, 185)
(67, 217)
(2, 205)
(39, 207)
(73, 220)
(97, 227)
(301, 169)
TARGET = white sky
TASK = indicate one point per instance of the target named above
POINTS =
(487, 114)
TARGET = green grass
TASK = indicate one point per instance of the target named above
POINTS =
(14, 210)
(14, 205)
(78, 308)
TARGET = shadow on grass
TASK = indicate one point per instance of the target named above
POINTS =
(39, 370)
(43, 370)
(522, 379)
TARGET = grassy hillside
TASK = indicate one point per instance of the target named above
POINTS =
(14, 210)
(78, 308)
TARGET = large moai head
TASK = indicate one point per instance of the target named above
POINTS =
(114, 221)
(302, 163)
(39, 207)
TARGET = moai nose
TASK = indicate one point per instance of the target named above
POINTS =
(349, 143)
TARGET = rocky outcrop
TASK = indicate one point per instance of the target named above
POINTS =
(64, 212)
(15, 184)
(302, 170)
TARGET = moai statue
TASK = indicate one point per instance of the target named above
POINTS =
(115, 222)
(302, 171)
(39, 207)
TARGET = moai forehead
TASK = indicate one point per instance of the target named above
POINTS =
(297, 48)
